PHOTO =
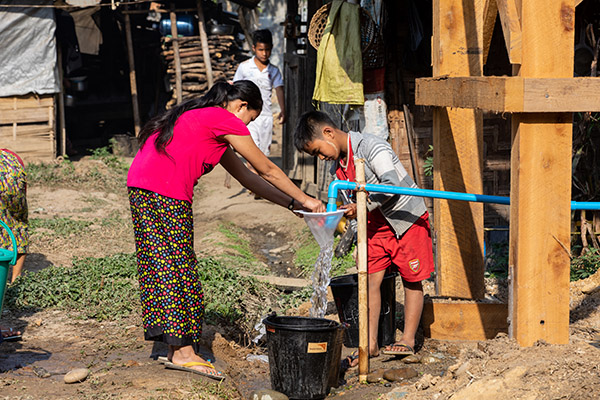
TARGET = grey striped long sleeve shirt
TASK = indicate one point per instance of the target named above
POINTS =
(382, 166)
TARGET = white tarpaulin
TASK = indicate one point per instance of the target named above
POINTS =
(28, 46)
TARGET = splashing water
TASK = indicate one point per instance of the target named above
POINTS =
(320, 281)
(322, 226)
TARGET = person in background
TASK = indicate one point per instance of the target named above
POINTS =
(176, 149)
(13, 206)
(398, 233)
(13, 210)
(267, 77)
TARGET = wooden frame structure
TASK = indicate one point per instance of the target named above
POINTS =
(541, 94)
(28, 125)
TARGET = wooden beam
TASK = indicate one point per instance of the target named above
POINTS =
(178, 85)
(132, 76)
(204, 40)
(540, 214)
(511, 27)
(26, 101)
(490, 12)
(458, 151)
(25, 115)
(464, 321)
(510, 94)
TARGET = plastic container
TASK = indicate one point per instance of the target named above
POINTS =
(7, 258)
(345, 294)
(186, 26)
(304, 355)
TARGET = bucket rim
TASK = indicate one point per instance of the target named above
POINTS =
(328, 324)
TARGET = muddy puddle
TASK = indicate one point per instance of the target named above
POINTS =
(275, 249)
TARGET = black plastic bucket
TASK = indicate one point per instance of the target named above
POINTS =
(304, 355)
(345, 294)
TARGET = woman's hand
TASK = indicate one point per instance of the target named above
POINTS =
(349, 210)
(314, 205)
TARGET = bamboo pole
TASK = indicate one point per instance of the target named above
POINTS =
(204, 40)
(363, 305)
(61, 104)
(132, 76)
(178, 87)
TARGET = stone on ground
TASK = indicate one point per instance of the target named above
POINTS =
(76, 375)
(267, 394)
(398, 374)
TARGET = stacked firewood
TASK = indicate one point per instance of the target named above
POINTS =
(225, 53)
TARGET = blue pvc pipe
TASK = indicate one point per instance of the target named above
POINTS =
(338, 185)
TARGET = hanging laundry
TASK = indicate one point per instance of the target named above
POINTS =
(339, 78)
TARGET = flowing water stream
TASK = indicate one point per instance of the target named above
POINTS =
(320, 281)
(322, 226)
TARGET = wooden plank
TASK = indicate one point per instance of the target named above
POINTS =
(26, 102)
(510, 94)
(204, 40)
(458, 143)
(6, 131)
(464, 321)
(540, 215)
(511, 27)
(27, 115)
(490, 12)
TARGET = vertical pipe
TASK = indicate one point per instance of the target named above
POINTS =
(204, 40)
(363, 305)
(132, 77)
(174, 36)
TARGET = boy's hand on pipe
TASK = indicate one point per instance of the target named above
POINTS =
(314, 205)
(349, 210)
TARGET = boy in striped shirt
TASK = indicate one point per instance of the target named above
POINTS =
(398, 232)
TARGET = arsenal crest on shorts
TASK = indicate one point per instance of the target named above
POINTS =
(414, 265)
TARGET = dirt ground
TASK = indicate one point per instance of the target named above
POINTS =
(123, 365)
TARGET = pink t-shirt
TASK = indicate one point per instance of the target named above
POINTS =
(194, 151)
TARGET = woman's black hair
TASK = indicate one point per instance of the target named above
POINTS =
(218, 96)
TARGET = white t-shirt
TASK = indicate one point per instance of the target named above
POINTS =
(266, 80)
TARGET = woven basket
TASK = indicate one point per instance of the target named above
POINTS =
(371, 41)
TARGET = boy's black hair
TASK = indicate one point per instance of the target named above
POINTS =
(308, 128)
(262, 36)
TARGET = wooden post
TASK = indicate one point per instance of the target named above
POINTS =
(61, 103)
(204, 40)
(178, 86)
(363, 304)
(412, 148)
(132, 76)
(540, 212)
(458, 160)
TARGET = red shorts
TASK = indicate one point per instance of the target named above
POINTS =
(411, 254)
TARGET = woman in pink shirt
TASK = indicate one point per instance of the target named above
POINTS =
(176, 149)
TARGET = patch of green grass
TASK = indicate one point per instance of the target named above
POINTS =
(496, 262)
(585, 265)
(60, 226)
(240, 246)
(105, 155)
(101, 288)
(107, 289)
(295, 298)
(307, 253)
(204, 390)
(65, 173)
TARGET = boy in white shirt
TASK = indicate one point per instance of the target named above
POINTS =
(267, 77)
